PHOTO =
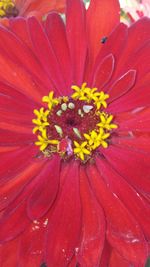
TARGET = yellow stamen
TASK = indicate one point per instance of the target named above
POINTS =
(92, 94)
(50, 100)
(79, 92)
(41, 121)
(44, 141)
(102, 137)
(93, 140)
(80, 150)
(105, 122)
(100, 100)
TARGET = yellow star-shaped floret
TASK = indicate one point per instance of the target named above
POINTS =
(79, 92)
(91, 93)
(50, 100)
(100, 100)
(80, 150)
(105, 122)
(41, 121)
(93, 139)
(102, 135)
(43, 141)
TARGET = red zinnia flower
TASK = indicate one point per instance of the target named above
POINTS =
(79, 196)
(28, 8)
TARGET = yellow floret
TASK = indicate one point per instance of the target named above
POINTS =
(43, 141)
(100, 100)
(41, 121)
(50, 100)
(80, 150)
(105, 122)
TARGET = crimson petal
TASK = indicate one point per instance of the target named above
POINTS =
(137, 97)
(19, 222)
(122, 85)
(46, 189)
(103, 72)
(123, 231)
(45, 54)
(137, 173)
(10, 248)
(75, 28)
(138, 34)
(64, 227)
(31, 252)
(93, 221)
(118, 260)
(14, 186)
(20, 27)
(55, 30)
(139, 143)
(16, 160)
(139, 208)
(97, 27)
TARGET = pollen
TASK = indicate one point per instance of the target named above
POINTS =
(74, 126)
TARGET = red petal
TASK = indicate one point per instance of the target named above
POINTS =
(141, 55)
(15, 161)
(97, 25)
(132, 165)
(76, 35)
(93, 225)
(8, 148)
(105, 255)
(21, 68)
(127, 194)
(45, 54)
(55, 30)
(117, 260)
(139, 96)
(22, 120)
(139, 144)
(14, 127)
(65, 222)
(103, 72)
(10, 248)
(18, 78)
(10, 138)
(32, 245)
(114, 44)
(15, 100)
(14, 223)
(139, 121)
(14, 186)
(122, 85)
(46, 189)
(123, 231)
(138, 34)
(20, 27)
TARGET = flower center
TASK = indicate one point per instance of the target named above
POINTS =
(74, 126)
(7, 9)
